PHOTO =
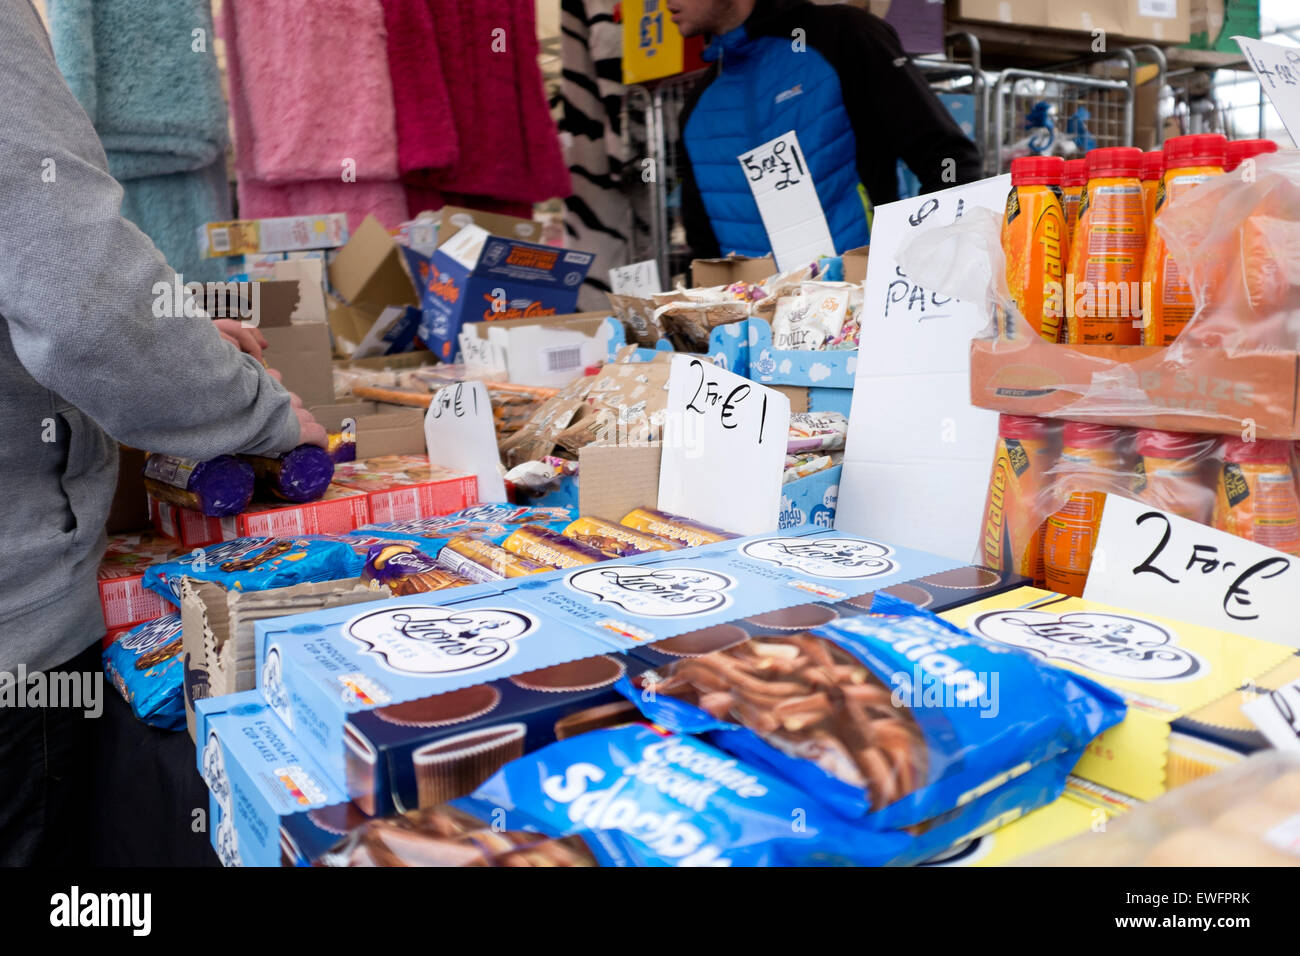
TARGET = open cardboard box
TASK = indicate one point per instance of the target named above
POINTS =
(548, 352)
(706, 273)
(1140, 386)
(380, 429)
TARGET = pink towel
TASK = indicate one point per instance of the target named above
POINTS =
(311, 97)
(509, 148)
(426, 129)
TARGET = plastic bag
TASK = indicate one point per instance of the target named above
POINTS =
(144, 664)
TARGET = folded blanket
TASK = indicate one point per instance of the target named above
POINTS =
(169, 210)
(146, 73)
(426, 129)
(384, 200)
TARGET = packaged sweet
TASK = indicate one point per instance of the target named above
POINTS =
(684, 531)
(259, 564)
(813, 318)
(217, 487)
(616, 540)
(816, 431)
(404, 570)
(897, 717)
(343, 445)
(804, 464)
(638, 318)
(482, 561)
(490, 522)
(144, 664)
(688, 324)
(545, 546)
(299, 475)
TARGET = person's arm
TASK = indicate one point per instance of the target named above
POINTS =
(894, 112)
(80, 287)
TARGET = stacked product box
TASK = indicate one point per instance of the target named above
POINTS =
(189, 528)
(407, 487)
(337, 511)
(1166, 670)
(122, 595)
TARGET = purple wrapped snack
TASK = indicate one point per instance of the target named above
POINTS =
(300, 475)
(217, 487)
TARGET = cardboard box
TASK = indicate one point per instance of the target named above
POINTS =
(406, 487)
(303, 356)
(617, 479)
(1195, 666)
(369, 273)
(316, 670)
(257, 776)
(130, 508)
(380, 429)
(189, 529)
(217, 629)
(1214, 23)
(338, 511)
(476, 276)
(385, 768)
(452, 219)
(1164, 21)
(706, 273)
(241, 237)
(540, 352)
(1212, 391)
(811, 499)
(121, 595)
(653, 47)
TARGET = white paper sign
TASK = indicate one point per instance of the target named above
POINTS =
(1277, 715)
(1149, 560)
(1278, 69)
(459, 433)
(723, 448)
(918, 454)
(640, 279)
(787, 202)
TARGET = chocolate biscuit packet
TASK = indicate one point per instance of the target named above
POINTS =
(896, 717)
(144, 664)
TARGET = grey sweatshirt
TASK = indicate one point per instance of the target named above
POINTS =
(84, 361)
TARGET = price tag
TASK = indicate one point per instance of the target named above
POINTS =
(459, 433)
(1156, 562)
(1277, 715)
(723, 448)
(787, 201)
(1278, 69)
(640, 279)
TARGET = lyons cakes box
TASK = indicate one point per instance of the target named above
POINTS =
(1165, 670)
(257, 776)
(318, 669)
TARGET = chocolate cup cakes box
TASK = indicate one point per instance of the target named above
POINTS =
(258, 775)
(1165, 670)
(424, 752)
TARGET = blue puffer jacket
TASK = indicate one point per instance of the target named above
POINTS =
(765, 88)
(837, 76)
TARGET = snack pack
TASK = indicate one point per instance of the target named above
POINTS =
(490, 522)
(897, 717)
(299, 475)
(812, 319)
(816, 431)
(259, 564)
(144, 664)
(404, 570)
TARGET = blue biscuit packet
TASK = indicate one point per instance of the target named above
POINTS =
(144, 664)
(259, 564)
(491, 522)
(640, 797)
(897, 717)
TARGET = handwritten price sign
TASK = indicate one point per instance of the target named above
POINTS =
(1163, 564)
(459, 433)
(723, 448)
(787, 201)
(1278, 69)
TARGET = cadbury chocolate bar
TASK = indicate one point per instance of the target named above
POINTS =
(299, 475)
(550, 547)
(673, 527)
(217, 487)
(480, 561)
(616, 540)
(404, 570)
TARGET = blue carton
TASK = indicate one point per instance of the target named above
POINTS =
(476, 276)
(257, 775)
(811, 500)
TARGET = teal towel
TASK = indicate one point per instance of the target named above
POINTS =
(146, 73)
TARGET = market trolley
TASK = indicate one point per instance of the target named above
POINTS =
(959, 73)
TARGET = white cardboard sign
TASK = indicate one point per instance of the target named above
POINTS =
(1152, 561)
(1278, 70)
(918, 454)
(640, 279)
(723, 448)
(459, 433)
(787, 200)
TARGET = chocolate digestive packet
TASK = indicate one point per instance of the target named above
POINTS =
(897, 718)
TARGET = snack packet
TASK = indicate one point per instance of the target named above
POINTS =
(259, 564)
(811, 319)
(144, 664)
(404, 570)
(816, 431)
(897, 717)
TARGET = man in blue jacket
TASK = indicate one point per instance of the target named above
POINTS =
(838, 78)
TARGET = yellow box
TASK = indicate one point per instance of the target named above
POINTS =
(1164, 669)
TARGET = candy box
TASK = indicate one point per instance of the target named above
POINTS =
(426, 751)
(257, 775)
(403, 487)
(122, 594)
(337, 511)
(1164, 669)
(190, 529)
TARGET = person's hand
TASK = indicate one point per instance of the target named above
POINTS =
(311, 431)
(241, 336)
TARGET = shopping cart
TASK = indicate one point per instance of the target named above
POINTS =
(961, 84)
